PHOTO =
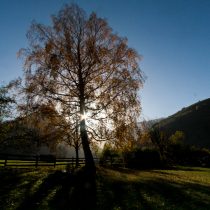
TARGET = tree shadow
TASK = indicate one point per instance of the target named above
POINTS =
(33, 200)
(122, 196)
(77, 191)
(173, 195)
(7, 183)
(177, 168)
(62, 191)
(120, 169)
(152, 194)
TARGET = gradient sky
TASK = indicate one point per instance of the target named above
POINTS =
(173, 37)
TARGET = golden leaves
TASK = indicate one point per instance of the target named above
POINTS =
(79, 60)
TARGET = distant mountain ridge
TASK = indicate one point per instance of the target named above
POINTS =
(149, 123)
(193, 120)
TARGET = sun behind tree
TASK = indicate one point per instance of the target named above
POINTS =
(83, 67)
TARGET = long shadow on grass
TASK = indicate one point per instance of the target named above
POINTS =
(62, 191)
(171, 195)
(185, 168)
(122, 196)
(9, 181)
(153, 194)
(80, 193)
(32, 200)
(5, 189)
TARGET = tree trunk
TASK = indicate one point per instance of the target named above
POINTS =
(89, 162)
(89, 173)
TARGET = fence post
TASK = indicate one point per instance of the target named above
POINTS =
(123, 160)
(37, 160)
(72, 162)
(5, 161)
(54, 162)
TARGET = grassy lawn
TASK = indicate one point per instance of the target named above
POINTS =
(122, 189)
(183, 188)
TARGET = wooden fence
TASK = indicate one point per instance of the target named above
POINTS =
(23, 161)
(7, 160)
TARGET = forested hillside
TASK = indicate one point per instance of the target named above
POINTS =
(194, 121)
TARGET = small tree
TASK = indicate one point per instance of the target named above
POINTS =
(127, 136)
(160, 140)
(5, 103)
(45, 120)
(177, 150)
(177, 138)
(5, 110)
(72, 136)
(16, 136)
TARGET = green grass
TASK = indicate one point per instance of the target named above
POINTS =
(46, 188)
(183, 188)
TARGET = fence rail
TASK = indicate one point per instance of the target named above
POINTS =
(8, 160)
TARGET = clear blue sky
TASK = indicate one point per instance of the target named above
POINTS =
(173, 36)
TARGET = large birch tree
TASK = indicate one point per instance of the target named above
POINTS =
(80, 64)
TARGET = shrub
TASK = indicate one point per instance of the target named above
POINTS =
(148, 158)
